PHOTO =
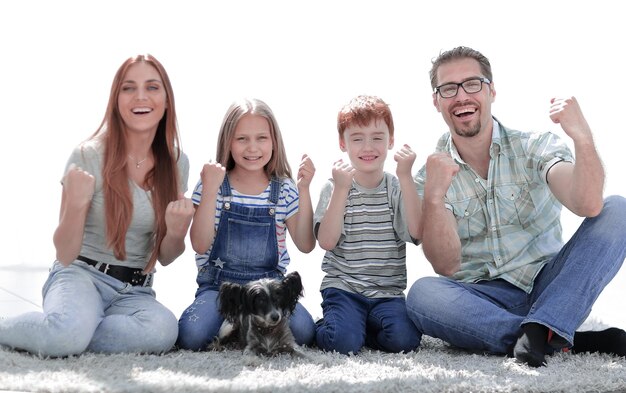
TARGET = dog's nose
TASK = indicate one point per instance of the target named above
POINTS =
(275, 316)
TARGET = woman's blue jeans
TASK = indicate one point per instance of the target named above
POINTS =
(488, 315)
(86, 310)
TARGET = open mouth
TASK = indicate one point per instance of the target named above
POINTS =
(141, 111)
(368, 158)
(464, 112)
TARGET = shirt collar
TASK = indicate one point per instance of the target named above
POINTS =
(494, 149)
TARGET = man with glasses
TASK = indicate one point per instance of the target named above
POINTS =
(492, 199)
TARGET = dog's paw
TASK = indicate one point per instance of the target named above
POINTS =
(252, 359)
(298, 353)
(215, 345)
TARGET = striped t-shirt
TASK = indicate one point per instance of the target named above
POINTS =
(370, 256)
(288, 203)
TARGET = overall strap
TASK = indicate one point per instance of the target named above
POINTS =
(225, 187)
(274, 190)
(227, 193)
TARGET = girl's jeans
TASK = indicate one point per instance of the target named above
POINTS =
(85, 309)
(201, 321)
(487, 315)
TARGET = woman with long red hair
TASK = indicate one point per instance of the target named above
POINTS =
(122, 210)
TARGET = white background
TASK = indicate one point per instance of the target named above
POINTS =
(305, 59)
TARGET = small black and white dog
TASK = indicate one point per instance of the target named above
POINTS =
(257, 315)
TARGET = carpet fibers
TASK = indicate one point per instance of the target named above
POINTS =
(434, 368)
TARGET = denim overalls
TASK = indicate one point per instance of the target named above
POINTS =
(245, 246)
(245, 249)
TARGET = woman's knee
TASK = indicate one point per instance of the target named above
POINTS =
(64, 337)
(164, 332)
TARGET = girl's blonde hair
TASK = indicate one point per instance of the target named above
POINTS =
(162, 180)
(278, 165)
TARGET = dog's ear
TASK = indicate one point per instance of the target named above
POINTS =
(230, 300)
(292, 290)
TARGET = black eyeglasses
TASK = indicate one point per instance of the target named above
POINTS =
(470, 86)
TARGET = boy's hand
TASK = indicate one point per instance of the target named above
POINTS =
(306, 171)
(343, 173)
(212, 176)
(405, 157)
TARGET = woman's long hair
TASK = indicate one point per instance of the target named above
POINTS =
(162, 180)
(278, 165)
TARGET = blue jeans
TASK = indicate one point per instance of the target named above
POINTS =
(487, 315)
(86, 310)
(352, 321)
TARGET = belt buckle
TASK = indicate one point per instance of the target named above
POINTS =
(106, 268)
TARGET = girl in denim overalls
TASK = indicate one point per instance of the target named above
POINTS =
(245, 203)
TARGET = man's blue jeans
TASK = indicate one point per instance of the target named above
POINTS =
(487, 315)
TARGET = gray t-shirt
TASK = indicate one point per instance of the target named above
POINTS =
(139, 237)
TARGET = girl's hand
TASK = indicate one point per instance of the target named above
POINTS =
(178, 215)
(212, 176)
(343, 173)
(306, 171)
(78, 186)
(405, 157)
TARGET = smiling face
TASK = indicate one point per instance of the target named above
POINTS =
(251, 146)
(142, 99)
(466, 114)
(367, 148)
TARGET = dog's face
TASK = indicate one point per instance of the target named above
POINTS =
(266, 301)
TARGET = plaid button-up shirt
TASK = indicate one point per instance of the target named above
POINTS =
(509, 224)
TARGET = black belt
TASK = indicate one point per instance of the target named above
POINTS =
(130, 275)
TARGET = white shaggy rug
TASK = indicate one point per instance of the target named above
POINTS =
(434, 368)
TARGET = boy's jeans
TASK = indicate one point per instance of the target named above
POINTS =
(488, 315)
(352, 321)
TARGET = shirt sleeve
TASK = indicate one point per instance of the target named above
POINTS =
(290, 194)
(399, 213)
(545, 150)
(183, 172)
(196, 196)
(322, 205)
(86, 157)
